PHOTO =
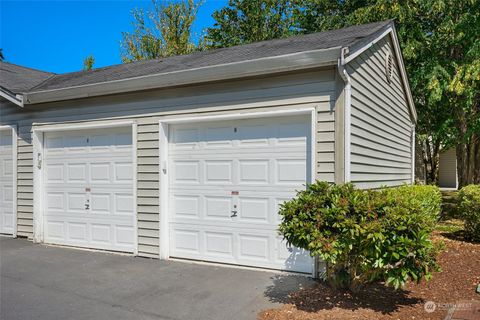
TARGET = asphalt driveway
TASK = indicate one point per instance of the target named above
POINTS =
(44, 282)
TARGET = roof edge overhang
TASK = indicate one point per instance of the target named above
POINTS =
(11, 96)
(352, 53)
(230, 71)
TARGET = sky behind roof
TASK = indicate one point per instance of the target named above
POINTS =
(56, 36)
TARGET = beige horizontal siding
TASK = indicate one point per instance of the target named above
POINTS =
(312, 88)
(380, 122)
(325, 142)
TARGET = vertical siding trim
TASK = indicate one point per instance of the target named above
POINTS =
(346, 112)
(135, 185)
(164, 192)
(339, 172)
(15, 175)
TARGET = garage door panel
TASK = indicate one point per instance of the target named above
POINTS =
(217, 207)
(218, 244)
(186, 206)
(186, 171)
(7, 220)
(245, 247)
(89, 189)
(186, 241)
(55, 201)
(291, 171)
(123, 172)
(292, 258)
(254, 209)
(254, 247)
(76, 172)
(100, 172)
(218, 171)
(254, 171)
(260, 164)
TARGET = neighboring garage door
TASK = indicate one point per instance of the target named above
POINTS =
(227, 180)
(6, 182)
(88, 189)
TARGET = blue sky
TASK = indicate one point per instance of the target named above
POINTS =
(57, 35)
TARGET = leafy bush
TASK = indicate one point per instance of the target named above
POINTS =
(365, 235)
(469, 207)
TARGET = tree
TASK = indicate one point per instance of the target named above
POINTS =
(440, 44)
(245, 21)
(441, 49)
(88, 63)
(163, 31)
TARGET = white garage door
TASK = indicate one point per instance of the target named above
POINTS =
(88, 189)
(227, 180)
(6, 182)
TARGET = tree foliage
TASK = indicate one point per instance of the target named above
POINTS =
(163, 31)
(88, 63)
(245, 21)
(441, 48)
(469, 208)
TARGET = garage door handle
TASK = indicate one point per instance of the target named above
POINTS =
(234, 214)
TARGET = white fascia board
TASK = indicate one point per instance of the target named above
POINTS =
(236, 70)
(16, 99)
(398, 54)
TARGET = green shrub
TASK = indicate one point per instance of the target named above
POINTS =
(469, 207)
(365, 235)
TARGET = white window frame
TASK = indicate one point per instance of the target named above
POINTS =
(14, 129)
(38, 131)
(165, 122)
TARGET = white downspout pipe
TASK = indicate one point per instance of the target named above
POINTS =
(346, 112)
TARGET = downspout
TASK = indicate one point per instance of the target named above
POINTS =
(346, 113)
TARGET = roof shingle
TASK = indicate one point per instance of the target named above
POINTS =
(20, 79)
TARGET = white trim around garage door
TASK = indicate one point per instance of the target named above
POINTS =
(38, 131)
(164, 123)
(13, 127)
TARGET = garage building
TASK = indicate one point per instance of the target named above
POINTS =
(190, 156)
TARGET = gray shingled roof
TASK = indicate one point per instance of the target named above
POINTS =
(18, 79)
(346, 37)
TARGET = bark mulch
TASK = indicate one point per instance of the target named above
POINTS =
(452, 290)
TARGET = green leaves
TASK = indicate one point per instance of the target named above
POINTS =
(245, 21)
(367, 235)
(165, 30)
(469, 208)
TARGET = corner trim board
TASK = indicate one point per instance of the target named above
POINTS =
(347, 116)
